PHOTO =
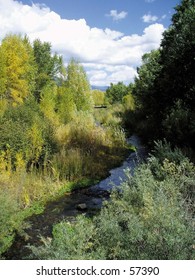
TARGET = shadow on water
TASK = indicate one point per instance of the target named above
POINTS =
(86, 201)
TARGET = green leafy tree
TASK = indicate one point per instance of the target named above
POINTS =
(147, 74)
(98, 97)
(79, 86)
(23, 130)
(50, 67)
(147, 100)
(128, 102)
(66, 107)
(32, 73)
(167, 78)
(177, 56)
(48, 102)
(115, 93)
(177, 80)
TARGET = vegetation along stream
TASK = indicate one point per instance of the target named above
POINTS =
(58, 133)
(86, 201)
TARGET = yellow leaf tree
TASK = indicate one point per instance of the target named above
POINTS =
(18, 68)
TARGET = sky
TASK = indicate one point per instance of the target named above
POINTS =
(108, 37)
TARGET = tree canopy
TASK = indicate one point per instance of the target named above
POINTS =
(165, 87)
(18, 69)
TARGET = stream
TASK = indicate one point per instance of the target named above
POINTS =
(86, 201)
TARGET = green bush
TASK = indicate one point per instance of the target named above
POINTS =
(178, 124)
(149, 219)
(147, 222)
(9, 220)
(71, 241)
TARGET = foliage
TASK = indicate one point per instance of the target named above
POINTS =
(3, 76)
(177, 55)
(8, 219)
(79, 86)
(50, 67)
(71, 242)
(181, 119)
(48, 102)
(115, 93)
(66, 107)
(148, 219)
(98, 97)
(22, 130)
(49, 140)
(18, 68)
(128, 102)
(109, 117)
(147, 114)
(83, 147)
(164, 88)
(21, 195)
(48, 135)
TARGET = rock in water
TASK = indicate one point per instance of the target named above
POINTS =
(82, 207)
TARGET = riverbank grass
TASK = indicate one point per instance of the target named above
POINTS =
(76, 165)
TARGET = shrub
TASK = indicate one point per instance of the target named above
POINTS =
(71, 241)
(149, 219)
(178, 124)
(70, 164)
(9, 220)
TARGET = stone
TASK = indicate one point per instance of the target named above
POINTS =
(82, 206)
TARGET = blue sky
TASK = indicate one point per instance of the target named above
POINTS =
(108, 37)
(95, 11)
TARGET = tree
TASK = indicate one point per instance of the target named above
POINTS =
(2, 73)
(50, 67)
(48, 102)
(147, 99)
(98, 97)
(32, 73)
(18, 69)
(79, 86)
(21, 129)
(115, 93)
(177, 56)
(128, 102)
(3, 101)
(177, 79)
(66, 107)
(147, 74)
(166, 79)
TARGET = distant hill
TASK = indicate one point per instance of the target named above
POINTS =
(102, 88)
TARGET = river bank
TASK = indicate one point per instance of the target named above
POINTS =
(86, 201)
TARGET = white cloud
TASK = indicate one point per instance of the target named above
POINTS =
(117, 16)
(149, 18)
(113, 34)
(163, 17)
(100, 73)
(108, 55)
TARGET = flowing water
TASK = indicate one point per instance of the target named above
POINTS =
(86, 202)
